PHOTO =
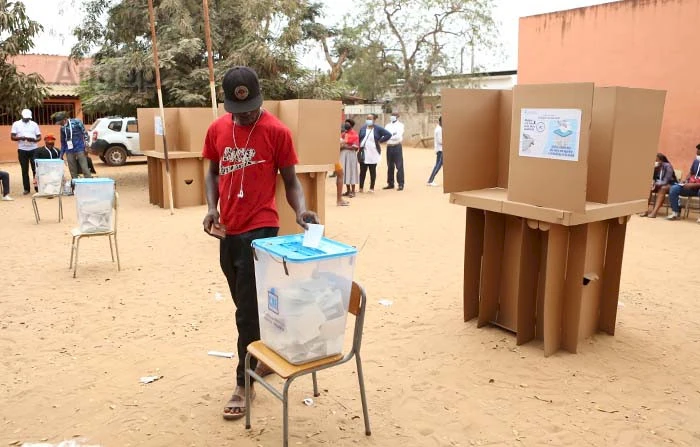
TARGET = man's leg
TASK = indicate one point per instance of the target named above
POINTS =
(5, 181)
(399, 166)
(72, 165)
(82, 161)
(363, 176)
(391, 163)
(436, 169)
(24, 158)
(236, 259)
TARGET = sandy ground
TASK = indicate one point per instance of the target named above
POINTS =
(72, 350)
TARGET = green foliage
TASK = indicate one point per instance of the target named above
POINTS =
(264, 34)
(17, 31)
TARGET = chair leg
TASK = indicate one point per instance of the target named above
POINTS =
(36, 211)
(72, 253)
(77, 251)
(60, 209)
(285, 413)
(247, 391)
(363, 396)
(111, 249)
(313, 377)
(116, 248)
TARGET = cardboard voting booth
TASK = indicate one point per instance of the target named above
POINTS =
(549, 175)
(314, 127)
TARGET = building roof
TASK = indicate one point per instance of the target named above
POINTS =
(63, 90)
(56, 70)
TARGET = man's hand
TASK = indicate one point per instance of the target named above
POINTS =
(307, 217)
(212, 218)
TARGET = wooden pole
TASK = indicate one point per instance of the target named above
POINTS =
(210, 57)
(151, 15)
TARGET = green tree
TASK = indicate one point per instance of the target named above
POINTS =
(264, 35)
(422, 37)
(17, 31)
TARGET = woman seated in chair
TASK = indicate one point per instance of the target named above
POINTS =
(664, 178)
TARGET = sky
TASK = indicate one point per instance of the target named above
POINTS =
(60, 17)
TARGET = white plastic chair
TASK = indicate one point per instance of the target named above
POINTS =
(77, 235)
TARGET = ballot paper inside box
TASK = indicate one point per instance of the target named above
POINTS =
(49, 174)
(94, 200)
(303, 296)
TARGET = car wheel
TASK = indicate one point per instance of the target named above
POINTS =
(115, 156)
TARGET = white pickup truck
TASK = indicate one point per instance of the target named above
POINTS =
(114, 139)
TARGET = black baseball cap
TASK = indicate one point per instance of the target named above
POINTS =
(241, 90)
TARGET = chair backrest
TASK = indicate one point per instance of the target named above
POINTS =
(357, 306)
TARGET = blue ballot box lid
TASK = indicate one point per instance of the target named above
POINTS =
(93, 180)
(290, 248)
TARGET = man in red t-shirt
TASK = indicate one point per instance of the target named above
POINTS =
(246, 149)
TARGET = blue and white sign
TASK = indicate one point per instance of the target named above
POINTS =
(550, 133)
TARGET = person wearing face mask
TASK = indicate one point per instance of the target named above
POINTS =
(348, 172)
(27, 134)
(690, 187)
(664, 178)
(371, 136)
(394, 152)
(246, 148)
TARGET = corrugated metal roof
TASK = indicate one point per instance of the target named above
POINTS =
(63, 90)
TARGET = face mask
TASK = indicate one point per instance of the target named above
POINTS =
(657, 164)
(393, 119)
(697, 157)
(369, 122)
(347, 127)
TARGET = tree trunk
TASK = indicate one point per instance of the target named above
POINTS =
(420, 103)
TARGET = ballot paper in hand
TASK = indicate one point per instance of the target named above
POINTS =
(313, 235)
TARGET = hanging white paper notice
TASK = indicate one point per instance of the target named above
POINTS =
(313, 235)
(159, 126)
(550, 133)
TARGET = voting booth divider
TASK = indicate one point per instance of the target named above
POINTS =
(549, 176)
(315, 128)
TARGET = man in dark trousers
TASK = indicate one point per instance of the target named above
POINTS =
(27, 134)
(246, 149)
(394, 152)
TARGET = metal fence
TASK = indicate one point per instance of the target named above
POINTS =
(41, 115)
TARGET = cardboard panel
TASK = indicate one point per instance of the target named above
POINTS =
(527, 285)
(309, 185)
(638, 118)
(600, 153)
(147, 140)
(505, 120)
(172, 131)
(188, 182)
(593, 271)
(573, 288)
(510, 274)
(541, 276)
(470, 132)
(272, 107)
(473, 251)
(193, 125)
(554, 287)
(611, 275)
(315, 128)
(543, 182)
(494, 232)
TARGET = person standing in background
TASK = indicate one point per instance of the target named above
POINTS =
(438, 153)
(73, 137)
(347, 169)
(371, 136)
(394, 153)
(26, 132)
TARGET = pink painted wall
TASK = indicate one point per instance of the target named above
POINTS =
(632, 43)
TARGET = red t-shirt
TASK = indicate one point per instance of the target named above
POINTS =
(352, 138)
(251, 170)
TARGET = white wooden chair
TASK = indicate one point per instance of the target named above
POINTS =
(112, 233)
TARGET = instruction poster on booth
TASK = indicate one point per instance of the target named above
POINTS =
(550, 133)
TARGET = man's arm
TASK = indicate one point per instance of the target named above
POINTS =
(384, 135)
(211, 183)
(295, 197)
